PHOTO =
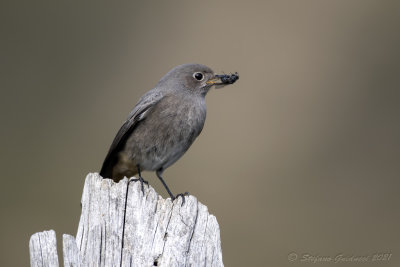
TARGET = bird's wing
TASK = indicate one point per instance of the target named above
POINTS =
(145, 103)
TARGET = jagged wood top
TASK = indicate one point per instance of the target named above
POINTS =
(121, 226)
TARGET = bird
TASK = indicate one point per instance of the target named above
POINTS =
(163, 124)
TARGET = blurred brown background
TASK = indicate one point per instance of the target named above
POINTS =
(300, 156)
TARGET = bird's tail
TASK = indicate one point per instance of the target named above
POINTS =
(117, 168)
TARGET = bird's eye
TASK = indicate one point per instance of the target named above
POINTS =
(198, 76)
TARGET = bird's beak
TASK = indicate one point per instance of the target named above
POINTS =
(215, 80)
(223, 79)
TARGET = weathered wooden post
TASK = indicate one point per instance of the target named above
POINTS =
(121, 226)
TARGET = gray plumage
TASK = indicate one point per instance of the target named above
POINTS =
(164, 123)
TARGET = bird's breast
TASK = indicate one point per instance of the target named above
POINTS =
(182, 122)
(167, 132)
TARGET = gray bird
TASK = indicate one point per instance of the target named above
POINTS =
(163, 124)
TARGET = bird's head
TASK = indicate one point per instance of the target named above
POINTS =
(195, 78)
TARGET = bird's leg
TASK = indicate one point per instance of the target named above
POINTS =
(159, 173)
(165, 185)
(140, 179)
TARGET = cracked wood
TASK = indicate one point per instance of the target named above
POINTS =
(121, 226)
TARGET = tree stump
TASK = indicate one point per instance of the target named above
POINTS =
(121, 226)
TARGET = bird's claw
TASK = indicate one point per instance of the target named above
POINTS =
(183, 197)
(142, 181)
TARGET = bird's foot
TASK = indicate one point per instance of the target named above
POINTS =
(183, 195)
(142, 181)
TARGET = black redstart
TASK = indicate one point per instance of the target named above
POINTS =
(163, 124)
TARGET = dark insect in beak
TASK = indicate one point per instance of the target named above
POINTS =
(228, 78)
(221, 80)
